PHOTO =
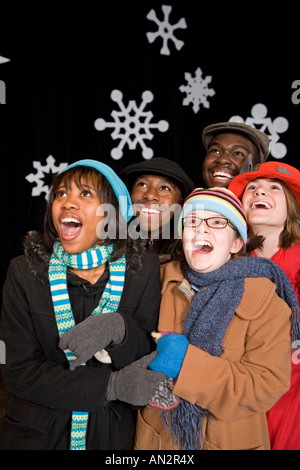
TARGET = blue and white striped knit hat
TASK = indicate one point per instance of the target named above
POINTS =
(116, 183)
(219, 200)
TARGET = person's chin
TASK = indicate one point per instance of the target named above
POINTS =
(74, 246)
(219, 183)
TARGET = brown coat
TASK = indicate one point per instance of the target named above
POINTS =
(238, 387)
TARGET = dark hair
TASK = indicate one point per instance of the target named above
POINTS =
(81, 175)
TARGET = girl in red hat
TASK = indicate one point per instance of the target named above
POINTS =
(270, 197)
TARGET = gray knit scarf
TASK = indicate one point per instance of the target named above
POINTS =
(218, 294)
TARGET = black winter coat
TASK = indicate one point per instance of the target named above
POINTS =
(43, 391)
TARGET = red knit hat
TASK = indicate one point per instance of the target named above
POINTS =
(273, 170)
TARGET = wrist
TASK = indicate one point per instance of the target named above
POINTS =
(103, 356)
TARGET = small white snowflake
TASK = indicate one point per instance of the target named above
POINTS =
(131, 124)
(38, 177)
(260, 121)
(197, 90)
(165, 30)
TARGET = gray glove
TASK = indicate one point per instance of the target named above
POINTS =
(134, 384)
(93, 334)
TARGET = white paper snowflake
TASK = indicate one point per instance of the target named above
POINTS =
(197, 90)
(260, 121)
(131, 124)
(38, 177)
(165, 30)
(3, 60)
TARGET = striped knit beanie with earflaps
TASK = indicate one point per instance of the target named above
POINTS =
(219, 200)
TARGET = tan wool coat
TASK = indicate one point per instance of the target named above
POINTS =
(241, 385)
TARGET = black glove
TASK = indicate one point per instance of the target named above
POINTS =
(93, 334)
(134, 384)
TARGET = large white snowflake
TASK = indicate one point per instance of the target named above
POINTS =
(197, 90)
(131, 124)
(38, 177)
(261, 121)
(165, 30)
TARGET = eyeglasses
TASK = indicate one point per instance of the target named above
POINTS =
(211, 222)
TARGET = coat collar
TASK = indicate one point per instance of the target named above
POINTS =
(171, 272)
(39, 258)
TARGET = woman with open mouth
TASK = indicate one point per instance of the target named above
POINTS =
(225, 336)
(78, 310)
(271, 196)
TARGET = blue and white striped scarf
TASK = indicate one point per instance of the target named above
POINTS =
(59, 262)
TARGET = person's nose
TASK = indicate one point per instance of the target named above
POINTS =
(202, 227)
(151, 195)
(260, 191)
(70, 202)
(224, 158)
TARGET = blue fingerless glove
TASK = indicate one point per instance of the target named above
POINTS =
(171, 350)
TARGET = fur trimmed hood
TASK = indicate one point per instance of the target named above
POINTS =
(39, 258)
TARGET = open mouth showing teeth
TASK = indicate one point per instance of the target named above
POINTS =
(222, 174)
(146, 210)
(203, 247)
(70, 226)
(261, 205)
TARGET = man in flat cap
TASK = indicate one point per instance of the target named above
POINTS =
(231, 148)
(157, 188)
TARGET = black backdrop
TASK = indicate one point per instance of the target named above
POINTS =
(66, 59)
